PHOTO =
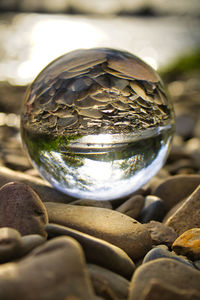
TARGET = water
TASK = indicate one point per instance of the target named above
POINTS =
(97, 123)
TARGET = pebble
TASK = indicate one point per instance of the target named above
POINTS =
(154, 209)
(30, 242)
(187, 216)
(132, 207)
(111, 226)
(188, 243)
(97, 251)
(56, 270)
(22, 209)
(93, 203)
(10, 244)
(164, 253)
(107, 284)
(40, 186)
(176, 188)
(161, 233)
(157, 290)
(167, 272)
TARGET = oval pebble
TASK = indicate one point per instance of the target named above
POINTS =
(10, 244)
(97, 251)
(153, 209)
(132, 207)
(111, 226)
(21, 208)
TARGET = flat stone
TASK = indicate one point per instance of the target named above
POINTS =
(153, 209)
(111, 226)
(97, 251)
(56, 270)
(157, 253)
(166, 271)
(10, 244)
(132, 207)
(187, 216)
(22, 209)
(161, 233)
(30, 242)
(40, 186)
(188, 243)
(157, 290)
(176, 188)
(107, 284)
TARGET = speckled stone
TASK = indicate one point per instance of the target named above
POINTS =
(22, 209)
(111, 226)
(188, 243)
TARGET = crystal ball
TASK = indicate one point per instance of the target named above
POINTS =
(97, 123)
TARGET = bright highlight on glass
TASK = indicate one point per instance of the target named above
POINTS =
(97, 123)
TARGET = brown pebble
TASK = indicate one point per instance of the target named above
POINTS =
(97, 251)
(188, 243)
(30, 242)
(22, 209)
(56, 270)
(111, 226)
(40, 186)
(10, 244)
(107, 284)
(157, 290)
(161, 233)
(168, 272)
(132, 207)
(187, 216)
(176, 188)
(93, 203)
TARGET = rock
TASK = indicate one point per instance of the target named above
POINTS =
(93, 203)
(40, 186)
(22, 209)
(56, 271)
(111, 226)
(187, 216)
(185, 124)
(10, 244)
(30, 242)
(188, 243)
(157, 290)
(154, 209)
(107, 284)
(167, 272)
(161, 233)
(197, 264)
(97, 251)
(176, 188)
(164, 253)
(132, 207)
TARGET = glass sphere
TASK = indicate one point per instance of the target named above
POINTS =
(97, 123)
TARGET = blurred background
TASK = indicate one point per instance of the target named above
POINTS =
(163, 33)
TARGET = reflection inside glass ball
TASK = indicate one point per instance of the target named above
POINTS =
(97, 123)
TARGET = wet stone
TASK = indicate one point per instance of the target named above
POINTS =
(187, 216)
(22, 209)
(188, 243)
(63, 259)
(10, 244)
(161, 233)
(97, 251)
(107, 284)
(111, 226)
